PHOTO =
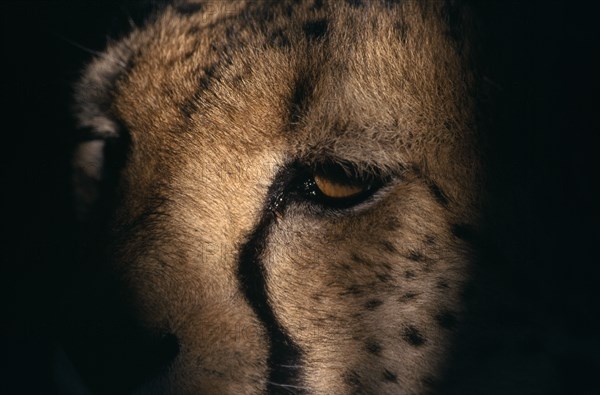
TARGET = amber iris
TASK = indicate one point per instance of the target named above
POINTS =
(334, 190)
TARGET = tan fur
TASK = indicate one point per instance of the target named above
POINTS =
(208, 101)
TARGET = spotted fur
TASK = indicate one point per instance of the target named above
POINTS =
(216, 105)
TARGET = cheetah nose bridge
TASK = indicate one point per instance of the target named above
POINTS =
(215, 323)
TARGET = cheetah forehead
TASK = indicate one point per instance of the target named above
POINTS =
(385, 81)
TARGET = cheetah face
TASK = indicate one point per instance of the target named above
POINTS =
(289, 189)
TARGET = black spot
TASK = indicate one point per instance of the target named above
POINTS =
(442, 284)
(373, 347)
(390, 376)
(279, 38)
(392, 224)
(392, 3)
(188, 107)
(357, 258)
(212, 372)
(415, 256)
(352, 290)
(412, 336)
(463, 231)
(383, 277)
(430, 240)
(446, 319)
(194, 30)
(237, 80)
(345, 267)
(352, 379)
(357, 316)
(355, 3)
(318, 4)
(373, 304)
(315, 29)
(409, 274)
(402, 29)
(289, 11)
(389, 247)
(438, 193)
(188, 8)
(408, 296)
(207, 78)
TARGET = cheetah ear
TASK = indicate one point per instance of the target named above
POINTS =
(98, 130)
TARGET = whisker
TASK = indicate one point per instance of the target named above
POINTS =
(91, 51)
(290, 386)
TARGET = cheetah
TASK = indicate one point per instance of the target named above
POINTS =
(288, 190)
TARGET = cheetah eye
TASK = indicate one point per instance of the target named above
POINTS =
(333, 189)
(338, 187)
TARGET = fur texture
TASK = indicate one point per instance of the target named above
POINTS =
(217, 104)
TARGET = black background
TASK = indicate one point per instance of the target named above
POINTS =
(544, 143)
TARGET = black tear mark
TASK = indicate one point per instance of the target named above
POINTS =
(446, 319)
(412, 336)
(373, 304)
(374, 347)
(315, 29)
(390, 376)
(252, 279)
(463, 232)
(189, 8)
(438, 193)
